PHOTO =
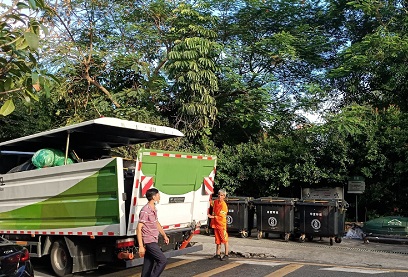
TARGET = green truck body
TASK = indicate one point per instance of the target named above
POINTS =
(89, 210)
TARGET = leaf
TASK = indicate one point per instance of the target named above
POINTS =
(32, 40)
(21, 5)
(7, 108)
(21, 44)
(44, 29)
(7, 84)
(32, 4)
(32, 95)
(35, 77)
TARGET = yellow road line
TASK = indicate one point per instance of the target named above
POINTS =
(218, 270)
(285, 270)
(345, 266)
(178, 263)
(168, 266)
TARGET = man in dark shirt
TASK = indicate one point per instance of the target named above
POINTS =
(148, 230)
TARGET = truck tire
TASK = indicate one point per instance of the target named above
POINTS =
(61, 260)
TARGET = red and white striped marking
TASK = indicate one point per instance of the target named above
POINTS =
(62, 233)
(175, 226)
(209, 183)
(76, 233)
(185, 156)
(147, 183)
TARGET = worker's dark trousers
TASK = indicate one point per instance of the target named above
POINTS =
(153, 255)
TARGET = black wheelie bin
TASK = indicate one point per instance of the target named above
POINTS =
(240, 217)
(320, 218)
(275, 215)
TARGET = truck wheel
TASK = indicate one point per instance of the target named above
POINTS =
(61, 260)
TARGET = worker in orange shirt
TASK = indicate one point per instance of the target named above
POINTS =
(219, 223)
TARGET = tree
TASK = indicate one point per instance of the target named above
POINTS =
(271, 61)
(372, 67)
(143, 59)
(20, 74)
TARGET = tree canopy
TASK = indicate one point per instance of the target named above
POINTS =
(237, 77)
(20, 73)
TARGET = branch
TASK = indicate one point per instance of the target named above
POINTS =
(11, 91)
(102, 88)
(159, 66)
(10, 9)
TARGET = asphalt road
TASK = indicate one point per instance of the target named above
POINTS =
(274, 257)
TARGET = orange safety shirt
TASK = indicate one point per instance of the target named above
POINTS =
(220, 211)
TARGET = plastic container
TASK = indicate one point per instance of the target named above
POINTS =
(387, 228)
(320, 218)
(240, 217)
(275, 215)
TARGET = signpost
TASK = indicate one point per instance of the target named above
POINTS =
(356, 185)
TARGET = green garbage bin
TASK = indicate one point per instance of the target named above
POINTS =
(320, 218)
(387, 228)
(275, 215)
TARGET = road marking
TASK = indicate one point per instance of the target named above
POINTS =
(356, 270)
(218, 270)
(168, 266)
(185, 257)
(178, 263)
(284, 270)
(261, 263)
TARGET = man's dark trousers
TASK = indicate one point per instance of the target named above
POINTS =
(153, 254)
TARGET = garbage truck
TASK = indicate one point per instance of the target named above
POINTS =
(84, 213)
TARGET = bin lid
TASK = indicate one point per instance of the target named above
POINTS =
(274, 200)
(316, 202)
(238, 199)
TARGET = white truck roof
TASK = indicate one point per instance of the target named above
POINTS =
(101, 133)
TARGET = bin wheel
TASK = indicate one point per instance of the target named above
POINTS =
(244, 234)
(266, 235)
(309, 238)
(287, 237)
(259, 236)
(331, 241)
(337, 240)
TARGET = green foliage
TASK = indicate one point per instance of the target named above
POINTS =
(20, 75)
(373, 68)
(270, 63)
(236, 77)
(191, 64)
(27, 119)
(264, 168)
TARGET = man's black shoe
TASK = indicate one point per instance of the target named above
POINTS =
(225, 258)
(215, 257)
